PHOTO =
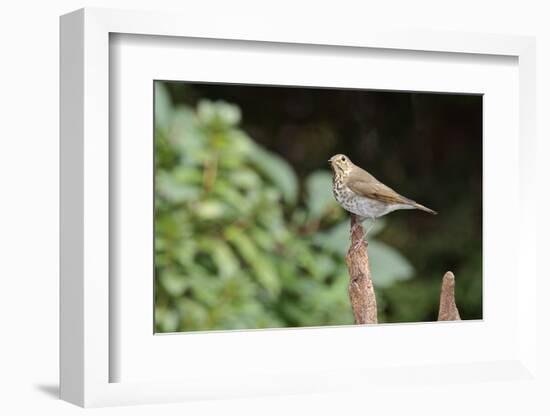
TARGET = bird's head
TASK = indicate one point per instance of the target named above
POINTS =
(340, 164)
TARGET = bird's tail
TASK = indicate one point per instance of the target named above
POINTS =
(423, 208)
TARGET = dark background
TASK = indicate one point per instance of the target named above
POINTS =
(426, 146)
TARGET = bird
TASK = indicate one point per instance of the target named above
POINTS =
(360, 193)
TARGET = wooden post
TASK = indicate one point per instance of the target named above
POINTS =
(447, 305)
(361, 289)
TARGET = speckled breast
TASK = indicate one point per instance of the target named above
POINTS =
(365, 207)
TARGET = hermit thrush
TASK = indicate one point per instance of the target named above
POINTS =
(360, 193)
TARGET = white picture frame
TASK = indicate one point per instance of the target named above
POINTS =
(87, 305)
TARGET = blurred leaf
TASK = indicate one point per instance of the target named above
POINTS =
(175, 190)
(229, 114)
(263, 239)
(175, 284)
(245, 178)
(185, 253)
(319, 193)
(263, 269)
(206, 289)
(241, 203)
(337, 239)
(278, 171)
(193, 314)
(167, 319)
(211, 210)
(226, 262)
(387, 265)
(236, 146)
(187, 139)
(218, 113)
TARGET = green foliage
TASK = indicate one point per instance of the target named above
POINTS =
(387, 265)
(239, 242)
(319, 194)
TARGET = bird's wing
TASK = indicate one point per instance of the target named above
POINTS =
(378, 191)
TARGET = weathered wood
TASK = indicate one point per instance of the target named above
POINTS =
(447, 306)
(361, 289)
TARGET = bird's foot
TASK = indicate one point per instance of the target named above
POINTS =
(373, 221)
(359, 243)
(357, 224)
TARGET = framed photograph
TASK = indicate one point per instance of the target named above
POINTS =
(267, 212)
(252, 223)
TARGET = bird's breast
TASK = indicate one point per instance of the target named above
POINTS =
(359, 205)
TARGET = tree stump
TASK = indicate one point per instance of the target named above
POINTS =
(361, 289)
(447, 305)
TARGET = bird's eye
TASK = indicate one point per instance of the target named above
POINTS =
(343, 158)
